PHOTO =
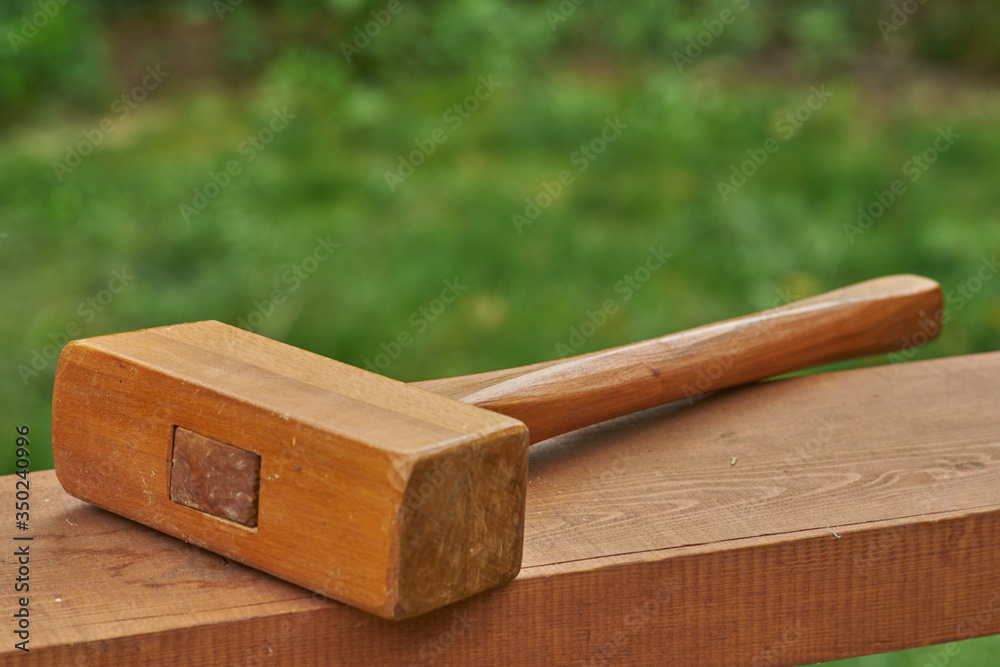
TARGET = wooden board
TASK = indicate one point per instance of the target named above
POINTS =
(787, 523)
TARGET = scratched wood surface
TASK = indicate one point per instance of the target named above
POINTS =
(786, 523)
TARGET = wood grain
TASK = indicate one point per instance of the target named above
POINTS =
(352, 465)
(861, 514)
(873, 317)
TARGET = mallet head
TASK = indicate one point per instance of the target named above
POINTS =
(373, 492)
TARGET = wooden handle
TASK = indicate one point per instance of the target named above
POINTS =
(553, 397)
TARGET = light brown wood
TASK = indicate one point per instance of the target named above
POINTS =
(355, 468)
(876, 316)
(400, 501)
(861, 515)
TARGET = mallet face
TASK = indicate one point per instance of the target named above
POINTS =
(375, 493)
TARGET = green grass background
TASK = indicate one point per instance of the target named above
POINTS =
(324, 176)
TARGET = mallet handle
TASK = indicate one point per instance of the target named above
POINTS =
(553, 397)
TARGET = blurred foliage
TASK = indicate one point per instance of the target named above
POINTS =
(783, 232)
(63, 60)
(969, 653)
(55, 53)
(564, 69)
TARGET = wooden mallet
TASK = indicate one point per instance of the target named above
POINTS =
(395, 498)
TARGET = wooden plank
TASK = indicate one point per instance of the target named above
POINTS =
(861, 514)
(832, 450)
